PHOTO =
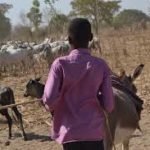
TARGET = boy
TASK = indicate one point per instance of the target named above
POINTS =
(71, 90)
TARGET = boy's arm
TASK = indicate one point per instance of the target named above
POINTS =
(53, 86)
(106, 91)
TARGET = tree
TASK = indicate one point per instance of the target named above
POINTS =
(128, 17)
(23, 19)
(22, 32)
(34, 15)
(4, 7)
(49, 12)
(96, 10)
(50, 4)
(59, 22)
(5, 25)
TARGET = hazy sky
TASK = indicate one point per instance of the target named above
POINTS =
(64, 6)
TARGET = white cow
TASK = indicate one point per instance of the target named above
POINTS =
(11, 58)
(60, 47)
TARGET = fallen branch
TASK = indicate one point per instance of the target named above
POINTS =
(46, 122)
(14, 105)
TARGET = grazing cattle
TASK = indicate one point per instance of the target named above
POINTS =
(60, 49)
(124, 120)
(43, 54)
(15, 55)
(7, 98)
(15, 58)
(20, 56)
(47, 51)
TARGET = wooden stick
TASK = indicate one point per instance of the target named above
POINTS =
(46, 122)
(22, 103)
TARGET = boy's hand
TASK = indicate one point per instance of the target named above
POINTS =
(52, 113)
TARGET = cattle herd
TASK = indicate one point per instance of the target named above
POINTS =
(22, 55)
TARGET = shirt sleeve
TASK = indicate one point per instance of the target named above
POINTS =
(53, 86)
(106, 91)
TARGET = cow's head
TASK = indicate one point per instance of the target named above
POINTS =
(34, 88)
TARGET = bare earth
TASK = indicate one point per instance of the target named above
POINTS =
(35, 116)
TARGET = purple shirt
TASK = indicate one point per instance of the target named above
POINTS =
(71, 91)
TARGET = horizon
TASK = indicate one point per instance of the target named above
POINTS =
(65, 7)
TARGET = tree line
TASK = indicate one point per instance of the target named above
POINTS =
(36, 24)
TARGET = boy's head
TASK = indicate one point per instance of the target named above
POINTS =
(79, 33)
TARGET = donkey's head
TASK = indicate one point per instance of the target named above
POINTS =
(128, 80)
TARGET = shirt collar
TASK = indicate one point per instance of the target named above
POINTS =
(80, 51)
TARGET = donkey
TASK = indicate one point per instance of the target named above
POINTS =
(7, 98)
(124, 120)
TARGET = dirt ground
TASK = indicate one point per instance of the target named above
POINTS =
(35, 116)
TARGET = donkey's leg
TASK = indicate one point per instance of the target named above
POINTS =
(19, 117)
(109, 140)
(9, 121)
(110, 128)
(125, 145)
(108, 144)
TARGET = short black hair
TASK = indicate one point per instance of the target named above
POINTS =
(80, 31)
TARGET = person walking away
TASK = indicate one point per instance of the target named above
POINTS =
(71, 90)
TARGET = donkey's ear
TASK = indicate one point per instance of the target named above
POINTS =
(137, 71)
(122, 74)
(38, 79)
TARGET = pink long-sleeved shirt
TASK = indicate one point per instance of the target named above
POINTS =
(71, 91)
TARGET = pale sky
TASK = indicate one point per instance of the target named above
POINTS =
(64, 6)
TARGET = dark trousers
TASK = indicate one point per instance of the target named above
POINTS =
(85, 145)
